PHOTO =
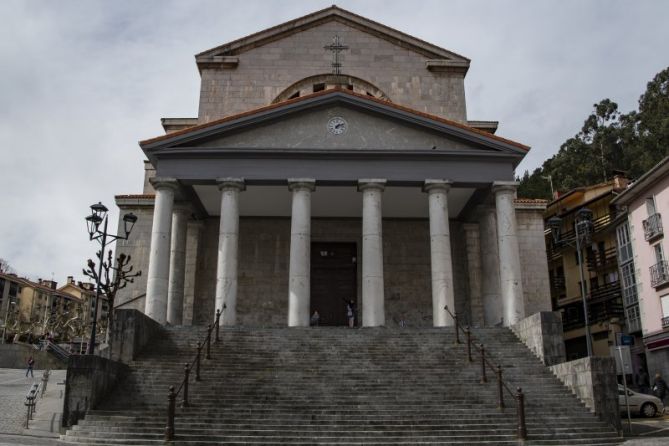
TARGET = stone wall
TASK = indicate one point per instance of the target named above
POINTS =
(138, 247)
(264, 247)
(533, 258)
(542, 334)
(15, 356)
(132, 332)
(593, 381)
(265, 71)
(89, 379)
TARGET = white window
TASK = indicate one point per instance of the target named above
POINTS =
(659, 254)
(665, 305)
(624, 245)
(650, 205)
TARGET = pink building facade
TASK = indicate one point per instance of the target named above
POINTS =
(647, 204)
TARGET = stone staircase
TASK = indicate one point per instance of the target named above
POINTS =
(339, 386)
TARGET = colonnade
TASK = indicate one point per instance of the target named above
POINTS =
(165, 282)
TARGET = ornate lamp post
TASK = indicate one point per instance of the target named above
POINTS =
(99, 217)
(582, 237)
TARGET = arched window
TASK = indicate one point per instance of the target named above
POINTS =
(322, 82)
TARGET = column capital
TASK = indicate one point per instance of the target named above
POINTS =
(440, 185)
(301, 183)
(164, 183)
(231, 184)
(182, 207)
(371, 183)
(504, 186)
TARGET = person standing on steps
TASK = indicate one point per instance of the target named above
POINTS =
(315, 319)
(31, 364)
(350, 313)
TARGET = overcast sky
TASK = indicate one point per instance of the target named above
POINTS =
(82, 81)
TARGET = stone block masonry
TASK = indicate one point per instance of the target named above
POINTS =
(594, 382)
(400, 73)
(542, 334)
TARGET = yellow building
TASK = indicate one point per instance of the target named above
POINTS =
(86, 293)
(600, 268)
(34, 308)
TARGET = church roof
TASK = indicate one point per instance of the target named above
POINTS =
(446, 57)
(343, 93)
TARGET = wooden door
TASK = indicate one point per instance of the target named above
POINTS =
(333, 280)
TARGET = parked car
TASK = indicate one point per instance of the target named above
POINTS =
(640, 403)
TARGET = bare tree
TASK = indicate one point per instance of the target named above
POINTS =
(115, 276)
(5, 267)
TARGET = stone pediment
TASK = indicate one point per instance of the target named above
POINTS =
(437, 58)
(368, 126)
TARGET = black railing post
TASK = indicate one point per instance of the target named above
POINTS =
(484, 379)
(522, 429)
(208, 342)
(500, 388)
(457, 328)
(184, 403)
(218, 323)
(169, 429)
(197, 361)
(468, 335)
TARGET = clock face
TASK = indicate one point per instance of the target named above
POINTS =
(337, 125)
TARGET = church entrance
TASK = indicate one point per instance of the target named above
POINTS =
(333, 280)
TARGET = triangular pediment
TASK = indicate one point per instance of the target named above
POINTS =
(334, 121)
(225, 53)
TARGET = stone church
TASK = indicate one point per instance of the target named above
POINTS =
(332, 159)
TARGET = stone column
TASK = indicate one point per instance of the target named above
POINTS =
(373, 312)
(228, 239)
(490, 290)
(300, 252)
(175, 291)
(193, 250)
(440, 252)
(473, 243)
(511, 283)
(159, 256)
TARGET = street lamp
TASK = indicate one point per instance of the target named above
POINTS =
(582, 237)
(99, 217)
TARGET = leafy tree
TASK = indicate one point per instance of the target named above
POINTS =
(609, 141)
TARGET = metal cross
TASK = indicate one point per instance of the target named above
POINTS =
(336, 47)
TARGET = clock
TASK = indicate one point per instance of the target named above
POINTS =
(337, 125)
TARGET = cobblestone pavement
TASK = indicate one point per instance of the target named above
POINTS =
(44, 427)
(13, 388)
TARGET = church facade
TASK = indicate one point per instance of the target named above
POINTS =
(332, 160)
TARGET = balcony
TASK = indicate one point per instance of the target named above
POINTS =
(659, 274)
(665, 322)
(604, 303)
(602, 259)
(652, 227)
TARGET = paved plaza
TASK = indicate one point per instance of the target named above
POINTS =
(43, 429)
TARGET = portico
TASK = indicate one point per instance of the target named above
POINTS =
(271, 183)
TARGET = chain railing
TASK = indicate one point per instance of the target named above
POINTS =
(518, 395)
(172, 395)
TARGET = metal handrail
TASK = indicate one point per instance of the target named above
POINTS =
(188, 367)
(31, 401)
(518, 396)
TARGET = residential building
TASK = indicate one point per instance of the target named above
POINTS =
(647, 203)
(85, 291)
(599, 269)
(35, 307)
